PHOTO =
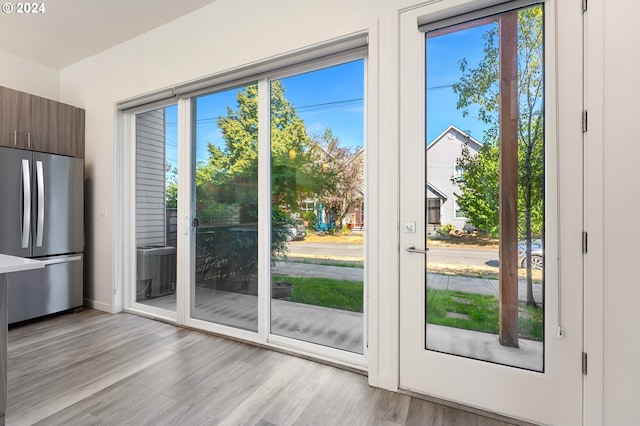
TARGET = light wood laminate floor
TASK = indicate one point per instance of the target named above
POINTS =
(93, 368)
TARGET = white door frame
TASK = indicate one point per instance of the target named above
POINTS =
(562, 402)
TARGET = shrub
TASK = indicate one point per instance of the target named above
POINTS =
(446, 229)
(311, 218)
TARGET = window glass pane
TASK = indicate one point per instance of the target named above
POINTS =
(156, 203)
(489, 295)
(226, 206)
(317, 187)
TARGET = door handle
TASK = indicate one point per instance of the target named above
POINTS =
(41, 212)
(412, 249)
(26, 203)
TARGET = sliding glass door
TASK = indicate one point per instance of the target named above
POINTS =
(273, 239)
(317, 206)
(156, 198)
(225, 179)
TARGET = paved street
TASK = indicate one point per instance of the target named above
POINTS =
(467, 256)
(450, 255)
(330, 250)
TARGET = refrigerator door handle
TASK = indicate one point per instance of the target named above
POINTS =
(26, 203)
(40, 224)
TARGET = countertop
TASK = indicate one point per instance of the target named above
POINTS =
(17, 264)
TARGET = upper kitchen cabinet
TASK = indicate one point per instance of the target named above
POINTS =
(15, 111)
(39, 124)
(66, 130)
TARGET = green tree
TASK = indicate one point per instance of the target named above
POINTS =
(479, 198)
(346, 167)
(295, 167)
(228, 179)
(479, 86)
(171, 187)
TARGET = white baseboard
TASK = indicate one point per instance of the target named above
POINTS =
(89, 303)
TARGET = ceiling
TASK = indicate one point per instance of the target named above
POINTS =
(71, 30)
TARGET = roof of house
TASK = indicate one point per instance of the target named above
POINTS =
(468, 139)
(435, 191)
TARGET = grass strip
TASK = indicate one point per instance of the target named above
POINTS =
(326, 292)
(326, 262)
(483, 313)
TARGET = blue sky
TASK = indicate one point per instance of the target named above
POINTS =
(327, 98)
(443, 70)
(334, 97)
(331, 97)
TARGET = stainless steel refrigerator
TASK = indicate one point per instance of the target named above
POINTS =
(42, 217)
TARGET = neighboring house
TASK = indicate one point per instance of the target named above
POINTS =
(354, 179)
(442, 176)
(354, 219)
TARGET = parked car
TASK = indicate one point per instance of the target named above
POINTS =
(297, 230)
(537, 256)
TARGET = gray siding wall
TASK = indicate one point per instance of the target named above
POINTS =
(150, 178)
(441, 163)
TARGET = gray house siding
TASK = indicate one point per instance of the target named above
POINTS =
(442, 154)
(150, 178)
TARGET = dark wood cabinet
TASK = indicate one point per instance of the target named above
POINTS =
(15, 111)
(39, 124)
(39, 128)
(63, 133)
(78, 140)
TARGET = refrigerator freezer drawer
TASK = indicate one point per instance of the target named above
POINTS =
(55, 288)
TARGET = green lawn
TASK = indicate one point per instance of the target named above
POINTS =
(482, 311)
(330, 293)
(327, 262)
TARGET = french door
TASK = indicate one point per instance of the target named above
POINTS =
(491, 295)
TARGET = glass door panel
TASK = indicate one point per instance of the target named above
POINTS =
(156, 207)
(226, 208)
(484, 271)
(317, 196)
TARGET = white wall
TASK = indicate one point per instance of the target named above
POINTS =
(614, 149)
(23, 75)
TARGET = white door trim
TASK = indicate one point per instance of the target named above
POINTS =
(564, 195)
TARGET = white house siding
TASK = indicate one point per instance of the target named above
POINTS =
(150, 178)
(442, 154)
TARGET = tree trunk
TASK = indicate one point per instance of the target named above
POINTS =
(527, 215)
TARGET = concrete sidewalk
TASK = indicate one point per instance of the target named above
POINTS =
(479, 286)
(300, 269)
